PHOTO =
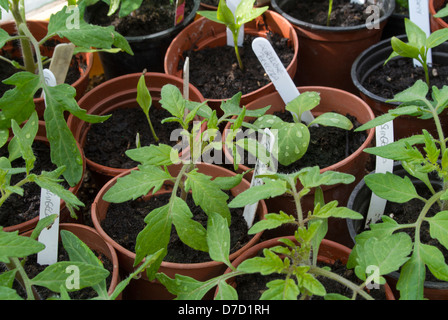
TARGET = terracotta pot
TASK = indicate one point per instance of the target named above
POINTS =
(329, 252)
(327, 53)
(144, 289)
(373, 58)
(149, 50)
(120, 92)
(39, 30)
(436, 23)
(64, 212)
(205, 33)
(336, 100)
(359, 201)
(96, 243)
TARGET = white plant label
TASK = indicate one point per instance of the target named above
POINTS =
(49, 204)
(277, 73)
(260, 168)
(60, 62)
(384, 135)
(419, 14)
(233, 4)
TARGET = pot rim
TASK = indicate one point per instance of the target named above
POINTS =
(312, 26)
(432, 12)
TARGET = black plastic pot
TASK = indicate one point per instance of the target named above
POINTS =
(359, 201)
(373, 58)
(149, 50)
(394, 26)
(327, 53)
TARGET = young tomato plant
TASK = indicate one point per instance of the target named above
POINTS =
(418, 45)
(244, 13)
(387, 245)
(153, 173)
(297, 262)
(294, 137)
(17, 103)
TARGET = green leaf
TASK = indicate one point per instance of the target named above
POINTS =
(267, 121)
(207, 194)
(136, 184)
(173, 101)
(226, 292)
(225, 15)
(144, 99)
(17, 103)
(391, 187)
(437, 37)
(186, 288)
(332, 210)
(270, 188)
(281, 290)
(417, 92)
(438, 227)
(306, 101)
(9, 294)
(218, 238)
(416, 36)
(404, 49)
(246, 12)
(190, 232)
(311, 284)
(4, 37)
(435, 261)
(227, 183)
(12, 245)
(272, 221)
(442, 13)
(311, 177)
(332, 119)
(412, 278)
(56, 275)
(158, 155)
(270, 263)
(293, 140)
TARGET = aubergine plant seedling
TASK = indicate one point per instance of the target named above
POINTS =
(296, 261)
(153, 173)
(244, 13)
(387, 244)
(294, 137)
(17, 103)
(418, 45)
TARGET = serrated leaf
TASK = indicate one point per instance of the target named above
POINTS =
(412, 278)
(271, 188)
(136, 184)
(435, 261)
(311, 177)
(418, 91)
(272, 221)
(158, 155)
(218, 238)
(438, 227)
(186, 288)
(172, 101)
(281, 290)
(9, 294)
(13, 245)
(268, 264)
(311, 284)
(391, 187)
(226, 292)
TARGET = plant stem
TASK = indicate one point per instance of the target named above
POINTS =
(330, 8)
(237, 52)
(342, 280)
(22, 277)
(7, 193)
(17, 10)
(152, 128)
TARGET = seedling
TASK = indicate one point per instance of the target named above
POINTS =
(330, 9)
(153, 173)
(297, 262)
(17, 103)
(418, 45)
(398, 250)
(442, 13)
(244, 13)
(144, 100)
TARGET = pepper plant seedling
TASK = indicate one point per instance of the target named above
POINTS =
(442, 13)
(17, 103)
(297, 262)
(418, 45)
(144, 100)
(387, 244)
(153, 173)
(244, 13)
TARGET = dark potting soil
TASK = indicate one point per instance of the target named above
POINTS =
(18, 209)
(124, 221)
(216, 74)
(151, 17)
(400, 74)
(252, 286)
(211, 2)
(32, 268)
(343, 14)
(107, 142)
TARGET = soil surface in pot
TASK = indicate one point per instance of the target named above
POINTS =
(211, 2)
(343, 14)
(32, 268)
(107, 142)
(151, 17)
(18, 209)
(216, 74)
(7, 70)
(400, 74)
(252, 286)
(125, 220)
